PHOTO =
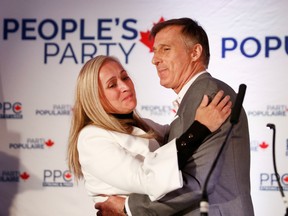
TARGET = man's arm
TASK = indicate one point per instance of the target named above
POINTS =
(175, 202)
(171, 205)
(114, 205)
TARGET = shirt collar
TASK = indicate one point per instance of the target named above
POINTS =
(186, 86)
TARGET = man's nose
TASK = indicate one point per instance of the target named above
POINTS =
(155, 60)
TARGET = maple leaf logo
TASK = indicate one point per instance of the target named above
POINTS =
(68, 176)
(145, 37)
(49, 143)
(286, 179)
(18, 107)
(263, 145)
(24, 176)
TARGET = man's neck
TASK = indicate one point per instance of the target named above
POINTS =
(187, 85)
(194, 72)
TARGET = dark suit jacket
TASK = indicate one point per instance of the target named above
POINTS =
(229, 185)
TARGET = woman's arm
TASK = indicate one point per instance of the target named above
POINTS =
(209, 117)
(105, 161)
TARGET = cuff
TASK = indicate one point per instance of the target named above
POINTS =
(126, 207)
(195, 135)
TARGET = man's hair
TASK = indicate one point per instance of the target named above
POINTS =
(191, 30)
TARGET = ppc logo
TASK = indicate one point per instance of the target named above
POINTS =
(10, 110)
(57, 178)
(268, 181)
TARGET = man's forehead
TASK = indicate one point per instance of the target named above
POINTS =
(166, 38)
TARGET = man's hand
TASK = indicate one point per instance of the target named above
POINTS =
(113, 206)
(214, 114)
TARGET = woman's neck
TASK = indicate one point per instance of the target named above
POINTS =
(123, 116)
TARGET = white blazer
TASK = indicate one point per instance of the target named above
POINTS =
(119, 164)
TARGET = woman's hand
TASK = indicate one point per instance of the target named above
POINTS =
(214, 114)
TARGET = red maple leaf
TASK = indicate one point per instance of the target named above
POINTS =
(263, 145)
(18, 108)
(68, 175)
(24, 176)
(49, 143)
(145, 37)
(146, 40)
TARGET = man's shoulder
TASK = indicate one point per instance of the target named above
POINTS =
(208, 84)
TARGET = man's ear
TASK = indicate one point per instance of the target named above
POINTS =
(196, 52)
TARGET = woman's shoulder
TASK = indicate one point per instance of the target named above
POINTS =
(93, 130)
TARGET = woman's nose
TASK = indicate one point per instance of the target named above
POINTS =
(123, 86)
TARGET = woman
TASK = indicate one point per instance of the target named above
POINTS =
(115, 150)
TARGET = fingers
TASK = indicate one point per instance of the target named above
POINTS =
(204, 101)
(228, 108)
(224, 103)
(221, 103)
(98, 205)
(215, 113)
(217, 98)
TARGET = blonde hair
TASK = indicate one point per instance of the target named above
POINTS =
(88, 110)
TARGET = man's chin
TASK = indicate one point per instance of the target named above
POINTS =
(165, 85)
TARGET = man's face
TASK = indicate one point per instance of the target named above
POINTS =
(172, 58)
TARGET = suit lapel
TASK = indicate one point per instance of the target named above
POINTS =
(187, 108)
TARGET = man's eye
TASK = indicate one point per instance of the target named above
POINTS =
(126, 78)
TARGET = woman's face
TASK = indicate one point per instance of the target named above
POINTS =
(118, 89)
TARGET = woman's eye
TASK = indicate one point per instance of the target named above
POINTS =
(112, 85)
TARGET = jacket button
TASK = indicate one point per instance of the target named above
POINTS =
(183, 143)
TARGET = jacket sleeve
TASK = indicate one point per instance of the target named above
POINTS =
(153, 173)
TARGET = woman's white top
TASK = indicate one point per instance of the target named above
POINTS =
(119, 164)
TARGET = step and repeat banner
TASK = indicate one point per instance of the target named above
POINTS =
(43, 45)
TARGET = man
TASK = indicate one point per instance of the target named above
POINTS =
(181, 57)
